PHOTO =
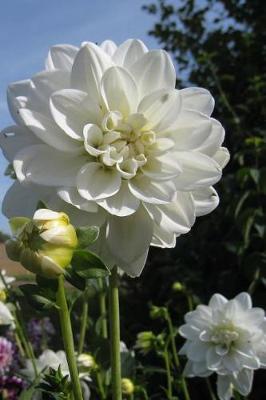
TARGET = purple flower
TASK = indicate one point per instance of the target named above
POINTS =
(11, 387)
(6, 354)
(39, 331)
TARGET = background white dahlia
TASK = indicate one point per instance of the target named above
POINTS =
(103, 134)
(226, 337)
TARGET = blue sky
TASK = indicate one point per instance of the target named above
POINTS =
(29, 27)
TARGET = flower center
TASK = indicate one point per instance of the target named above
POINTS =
(225, 335)
(121, 143)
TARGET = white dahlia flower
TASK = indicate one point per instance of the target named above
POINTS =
(226, 337)
(103, 130)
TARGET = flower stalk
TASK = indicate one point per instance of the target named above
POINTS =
(115, 335)
(102, 307)
(84, 323)
(175, 355)
(68, 338)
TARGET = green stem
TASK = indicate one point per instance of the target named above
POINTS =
(175, 355)
(21, 331)
(211, 392)
(67, 334)
(115, 336)
(254, 283)
(100, 385)
(84, 323)
(168, 375)
(103, 311)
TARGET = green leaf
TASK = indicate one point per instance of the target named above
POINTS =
(41, 204)
(88, 265)
(39, 298)
(87, 235)
(75, 280)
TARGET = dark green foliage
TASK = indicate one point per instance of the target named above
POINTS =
(221, 46)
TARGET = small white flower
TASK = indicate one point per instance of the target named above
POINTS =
(104, 130)
(50, 359)
(6, 318)
(226, 337)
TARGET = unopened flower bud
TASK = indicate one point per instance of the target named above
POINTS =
(87, 361)
(158, 312)
(145, 341)
(43, 245)
(127, 386)
(178, 287)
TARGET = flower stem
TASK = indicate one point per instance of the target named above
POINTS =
(102, 306)
(168, 374)
(67, 334)
(175, 355)
(115, 336)
(84, 322)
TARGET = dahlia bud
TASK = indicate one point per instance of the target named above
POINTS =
(158, 312)
(178, 287)
(145, 341)
(127, 386)
(43, 245)
(86, 361)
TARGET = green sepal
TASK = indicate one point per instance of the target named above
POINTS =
(13, 249)
(87, 235)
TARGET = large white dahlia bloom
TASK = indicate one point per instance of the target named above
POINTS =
(226, 337)
(104, 130)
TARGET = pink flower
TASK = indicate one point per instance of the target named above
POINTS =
(6, 354)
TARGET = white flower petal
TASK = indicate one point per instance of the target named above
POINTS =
(119, 91)
(177, 217)
(152, 192)
(48, 132)
(89, 66)
(94, 182)
(198, 99)
(217, 301)
(199, 171)
(38, 164)
(45, 84)
(71, 196)
(72, 109)
(161, 109)
(224, 387)
(129, 52)
(123, 203)
(244, 299)
(124, 239)
(134, 268)
(14, 138)
(43, 214)
(222, 156)
(22, 200)
(189, 332)
(205, 200)
(163, 238)
(109, 47)
(243, 381)
(197, 350)
(213, 359)
(163, 167)
(17, 97)
(61, 57)
(153, 71)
